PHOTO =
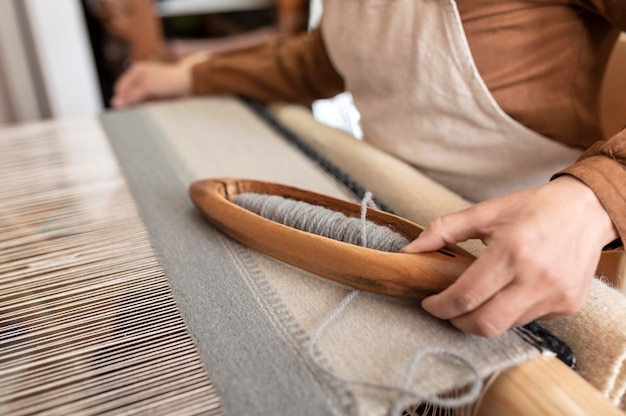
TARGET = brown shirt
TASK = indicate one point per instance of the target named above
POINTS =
(543, 61)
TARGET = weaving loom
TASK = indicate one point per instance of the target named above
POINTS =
(93, 323)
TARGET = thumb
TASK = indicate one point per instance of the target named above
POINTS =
(448, 229)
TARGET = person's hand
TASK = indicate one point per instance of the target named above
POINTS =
(146, 81)
(543, 246)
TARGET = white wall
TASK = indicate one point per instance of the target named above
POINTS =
(64, 55)
(19, 99)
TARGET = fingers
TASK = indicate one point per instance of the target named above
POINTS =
(504, 310)
(135, 93)
(539, 261)
(127, 89)
(450, 229)
(151, 80)
(481, 281)
(514, 306)
(499, 292)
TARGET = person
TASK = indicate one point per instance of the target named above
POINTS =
(496, 100)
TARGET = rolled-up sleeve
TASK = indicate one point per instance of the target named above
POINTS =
(294, 69)
(603, 169)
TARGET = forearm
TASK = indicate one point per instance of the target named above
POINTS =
(295, 69)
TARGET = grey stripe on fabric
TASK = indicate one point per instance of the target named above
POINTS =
(255, 371)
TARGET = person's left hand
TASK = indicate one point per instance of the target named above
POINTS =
(146, 81)
(543, 246)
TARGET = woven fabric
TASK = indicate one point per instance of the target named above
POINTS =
(252, 316)
(598, 339)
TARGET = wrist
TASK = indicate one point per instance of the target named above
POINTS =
(589, 206)
(194, 59)
(185, 68)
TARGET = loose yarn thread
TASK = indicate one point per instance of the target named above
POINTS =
(359, 231)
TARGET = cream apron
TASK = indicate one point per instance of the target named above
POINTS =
(409, 68)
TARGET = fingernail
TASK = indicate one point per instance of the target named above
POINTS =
(410, 248)
(425, 303)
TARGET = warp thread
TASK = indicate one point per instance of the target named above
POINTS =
(332, 224)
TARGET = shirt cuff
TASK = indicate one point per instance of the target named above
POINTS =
(201, 78)
(606, 178)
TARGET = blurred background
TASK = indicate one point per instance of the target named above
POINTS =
(60, 58)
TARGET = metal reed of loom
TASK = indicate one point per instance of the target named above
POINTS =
(87, 321)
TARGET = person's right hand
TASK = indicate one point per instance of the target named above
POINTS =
(146, 81)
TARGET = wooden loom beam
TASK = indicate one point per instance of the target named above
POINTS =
(543, 386)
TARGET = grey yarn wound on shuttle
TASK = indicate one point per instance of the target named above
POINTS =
(321, 221)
